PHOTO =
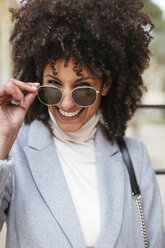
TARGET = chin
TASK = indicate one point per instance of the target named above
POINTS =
(69, 128)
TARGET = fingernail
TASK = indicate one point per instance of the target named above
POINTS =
(15, 102)
(34, 87)
(36, 84)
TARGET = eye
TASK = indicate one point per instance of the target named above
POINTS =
(83, 84)
(54, 82)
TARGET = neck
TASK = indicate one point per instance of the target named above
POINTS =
(84, 134)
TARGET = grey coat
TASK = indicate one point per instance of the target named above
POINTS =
(37, 204)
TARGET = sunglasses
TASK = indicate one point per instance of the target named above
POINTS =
(82, 96)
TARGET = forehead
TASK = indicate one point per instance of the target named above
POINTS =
(69, 70)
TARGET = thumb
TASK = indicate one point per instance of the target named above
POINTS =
(29, 98)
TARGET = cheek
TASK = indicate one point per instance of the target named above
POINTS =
(97, 103)
(94, 108)
(51, 109)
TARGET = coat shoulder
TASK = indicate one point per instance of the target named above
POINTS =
(137, 149)
(134, 146)
(139, 156)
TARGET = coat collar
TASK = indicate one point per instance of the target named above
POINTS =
(39, 136)
(51, 183)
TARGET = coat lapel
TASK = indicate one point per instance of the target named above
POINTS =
(51, 183)
(110, 174)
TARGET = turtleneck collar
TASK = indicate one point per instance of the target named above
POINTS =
(84, 134)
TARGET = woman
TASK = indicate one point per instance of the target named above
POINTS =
(63, 182)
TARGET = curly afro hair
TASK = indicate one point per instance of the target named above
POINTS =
(110, 36)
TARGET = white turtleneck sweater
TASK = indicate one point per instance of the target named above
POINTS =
(76, 152)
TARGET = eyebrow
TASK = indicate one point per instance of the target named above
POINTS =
(77, 80)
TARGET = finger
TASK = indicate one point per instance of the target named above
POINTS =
(20, 101)
(30, 87)
(6, 100)
(7, 91)
(12, 89)
(17, 96)
(29, 98)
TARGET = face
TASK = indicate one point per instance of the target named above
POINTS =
(69, 116)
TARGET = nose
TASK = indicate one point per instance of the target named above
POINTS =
(67, 103)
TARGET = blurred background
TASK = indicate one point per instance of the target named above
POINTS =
(148, 124)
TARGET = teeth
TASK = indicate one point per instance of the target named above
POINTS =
(69, 114)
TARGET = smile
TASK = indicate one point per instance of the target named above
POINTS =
(69, 114)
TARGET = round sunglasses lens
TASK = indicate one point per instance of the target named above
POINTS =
(84, 96)
(49, 95)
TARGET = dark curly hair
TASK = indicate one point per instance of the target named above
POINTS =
(110, 36)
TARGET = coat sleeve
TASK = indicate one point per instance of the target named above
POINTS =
(151, 202)
(5, 188)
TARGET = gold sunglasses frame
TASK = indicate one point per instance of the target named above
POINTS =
(63, 92)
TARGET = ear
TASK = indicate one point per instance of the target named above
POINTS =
(106, 87)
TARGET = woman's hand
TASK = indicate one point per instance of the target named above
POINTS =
(11, 115)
